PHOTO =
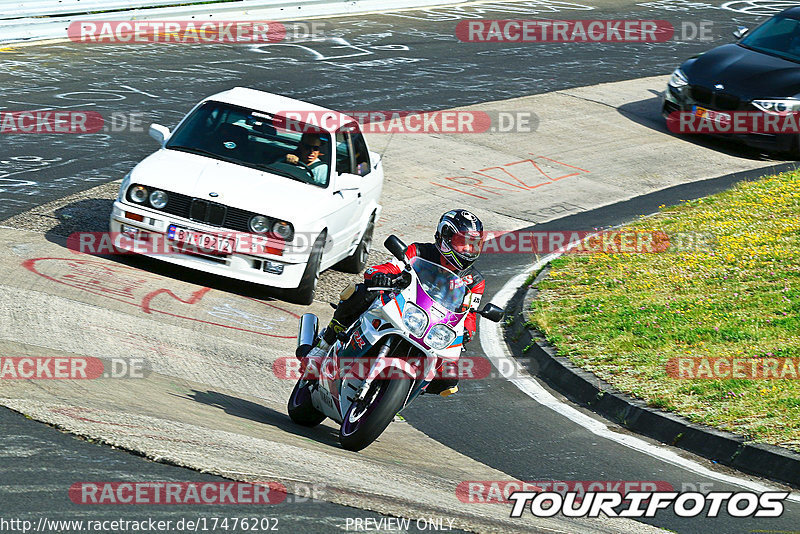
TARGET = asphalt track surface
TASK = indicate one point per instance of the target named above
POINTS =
(364, 66)
(405, 61)
(39, 462)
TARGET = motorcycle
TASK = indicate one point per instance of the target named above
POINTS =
(389, 355)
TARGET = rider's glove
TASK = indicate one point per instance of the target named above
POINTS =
(467, 337)
(381, 280)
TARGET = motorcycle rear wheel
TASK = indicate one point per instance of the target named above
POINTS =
(366, 420)
(300, 407)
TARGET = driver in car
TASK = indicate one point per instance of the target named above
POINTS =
(307, 154)
(458, 240)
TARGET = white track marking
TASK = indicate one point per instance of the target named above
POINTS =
(495, 348)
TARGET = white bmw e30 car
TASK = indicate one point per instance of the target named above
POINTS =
(224, 175)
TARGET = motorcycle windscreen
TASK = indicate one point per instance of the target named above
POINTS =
(442, 285)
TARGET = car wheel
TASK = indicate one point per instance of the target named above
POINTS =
(304, 294)
(356, 262)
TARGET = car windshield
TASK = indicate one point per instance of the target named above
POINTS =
(252, 138)
(442, 285)
(779, 36)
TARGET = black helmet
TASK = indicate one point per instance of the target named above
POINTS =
(459, 237)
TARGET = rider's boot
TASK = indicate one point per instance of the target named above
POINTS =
(449, 391)
(331, 332)
(442, 386)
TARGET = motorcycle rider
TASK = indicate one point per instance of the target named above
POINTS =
(458, 240)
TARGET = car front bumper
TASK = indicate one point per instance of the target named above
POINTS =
(245, 267)
(680, 100)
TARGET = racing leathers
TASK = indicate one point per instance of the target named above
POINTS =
(353, 306)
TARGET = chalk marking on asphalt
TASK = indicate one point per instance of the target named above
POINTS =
(138, 91)
(495, 348)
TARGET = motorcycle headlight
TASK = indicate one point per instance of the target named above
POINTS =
(283, 230)
(678, 79)
(415, 319)
(259, 224)
(138, 194)
(778, 106)
(158, 199)
(440, 337)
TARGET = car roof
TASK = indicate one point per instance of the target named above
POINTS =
(269, 102)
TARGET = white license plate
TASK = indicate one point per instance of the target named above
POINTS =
(716, 116)
(204, 241)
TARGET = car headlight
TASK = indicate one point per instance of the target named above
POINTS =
(678, 79)
(158, 199)
(283, 230)
(259, 224)
(778, 106)
(440, 337)
(123, 187)
(138, 194)
(415, 319)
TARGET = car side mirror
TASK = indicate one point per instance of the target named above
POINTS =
(492, 313)
(740, 32)
(396, 247)
(160, 134)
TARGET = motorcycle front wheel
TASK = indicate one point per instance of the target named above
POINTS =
(366, 420)
(300, 408)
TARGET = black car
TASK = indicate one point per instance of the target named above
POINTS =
(759, 73)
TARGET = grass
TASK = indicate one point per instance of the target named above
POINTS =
(730, 288)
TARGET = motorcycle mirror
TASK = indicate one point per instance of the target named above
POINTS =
(396, 247)
(492, 313)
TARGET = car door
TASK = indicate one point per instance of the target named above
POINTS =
(347, 190)
(371, 180)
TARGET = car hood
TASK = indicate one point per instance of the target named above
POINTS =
(234, 185)
(745, 73)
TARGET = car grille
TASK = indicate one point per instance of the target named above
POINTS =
(211, 213)
(721, 101)
(178, 204)
(207, 212)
